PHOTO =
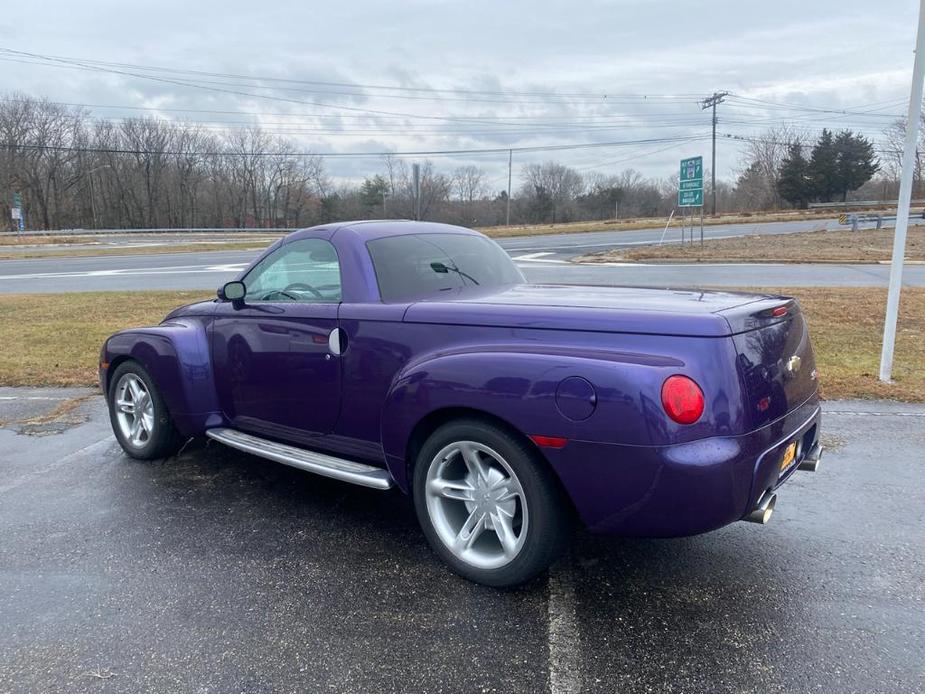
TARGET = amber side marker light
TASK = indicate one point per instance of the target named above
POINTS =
(682, 399)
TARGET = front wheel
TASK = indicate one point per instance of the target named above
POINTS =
(488, 505)
(139, 416)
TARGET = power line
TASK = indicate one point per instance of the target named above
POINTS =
(326, 155)
(352, 85)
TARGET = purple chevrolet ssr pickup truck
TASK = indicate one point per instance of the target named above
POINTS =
(415, 355)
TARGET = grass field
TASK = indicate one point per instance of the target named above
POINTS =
(655, 223)
(867, 246)
(54, 339)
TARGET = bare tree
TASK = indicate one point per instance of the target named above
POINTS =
(549, 189)
(761, 164)
(468, 183)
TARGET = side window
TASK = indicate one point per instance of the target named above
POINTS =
(306, 271)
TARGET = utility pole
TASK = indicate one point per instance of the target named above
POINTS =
(416, 182)
(710, 102)
(510, 161)
(902, 206)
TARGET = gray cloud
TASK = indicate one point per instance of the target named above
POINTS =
(824, 54)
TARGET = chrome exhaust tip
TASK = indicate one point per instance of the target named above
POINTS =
(813, 459)
(763, 511)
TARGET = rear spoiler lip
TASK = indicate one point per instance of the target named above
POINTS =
(755, 314)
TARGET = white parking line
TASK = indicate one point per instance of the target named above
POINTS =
(875, 414)
(33, 397)
(562, 631)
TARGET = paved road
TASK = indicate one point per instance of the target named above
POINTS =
(208, 270)
(564, 246)
(557, 245)
(218, 571)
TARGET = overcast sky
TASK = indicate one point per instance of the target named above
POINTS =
(514, 74)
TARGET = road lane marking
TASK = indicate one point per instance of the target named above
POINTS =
(562, 631)
(615, 244)
(540, 257)
(874, 414)
(531, 256)
(131, 272)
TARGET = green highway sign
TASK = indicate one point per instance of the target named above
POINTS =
(17, 199)
(690, 183)
(692, 170)
(690, 198)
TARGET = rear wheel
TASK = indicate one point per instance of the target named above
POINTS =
(139, 416)
(488, 504)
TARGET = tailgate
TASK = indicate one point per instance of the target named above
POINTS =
(775, 357)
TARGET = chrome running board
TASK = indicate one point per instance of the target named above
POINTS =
(319, 463)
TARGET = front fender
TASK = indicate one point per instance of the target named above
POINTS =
(525, 389)
(176, 355)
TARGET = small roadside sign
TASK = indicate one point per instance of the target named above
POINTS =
(690, 198)
(16, 212)
(17, 201)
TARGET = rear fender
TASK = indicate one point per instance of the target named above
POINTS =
(176, 354)
(520, 388)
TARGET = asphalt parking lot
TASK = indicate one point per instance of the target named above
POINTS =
(218, 571)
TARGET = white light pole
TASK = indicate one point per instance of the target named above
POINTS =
(902, 206)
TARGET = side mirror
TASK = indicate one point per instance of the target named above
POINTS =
(233, 292)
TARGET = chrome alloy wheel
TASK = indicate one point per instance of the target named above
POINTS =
(134, 408)
(476, 504)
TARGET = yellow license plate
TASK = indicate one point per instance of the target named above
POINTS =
(789, 454)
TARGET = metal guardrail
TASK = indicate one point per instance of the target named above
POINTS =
(855, 219)
(188, 230)
(857, 203)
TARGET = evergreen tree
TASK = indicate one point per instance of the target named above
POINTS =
(373, 192)
(793, 181)
(823, 168)
(855, 163)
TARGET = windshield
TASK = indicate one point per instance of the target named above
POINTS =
(417, 266)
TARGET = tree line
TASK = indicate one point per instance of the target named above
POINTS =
(74, 171)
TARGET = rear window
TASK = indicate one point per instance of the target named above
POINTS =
(417, 266)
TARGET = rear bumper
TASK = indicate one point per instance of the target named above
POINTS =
(686, 489)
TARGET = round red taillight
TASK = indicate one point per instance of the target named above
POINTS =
(682, 399)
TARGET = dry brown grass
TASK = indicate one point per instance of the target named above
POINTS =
(54, 339)
(867, 246)
(45, 240)
(653, 223)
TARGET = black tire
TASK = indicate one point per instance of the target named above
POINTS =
(163, 440)
(549, 526)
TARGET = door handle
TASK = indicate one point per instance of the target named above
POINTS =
(337, 342)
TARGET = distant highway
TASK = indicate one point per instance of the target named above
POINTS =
(543, 258)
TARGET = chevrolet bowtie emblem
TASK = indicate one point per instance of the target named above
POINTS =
(793, 364)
